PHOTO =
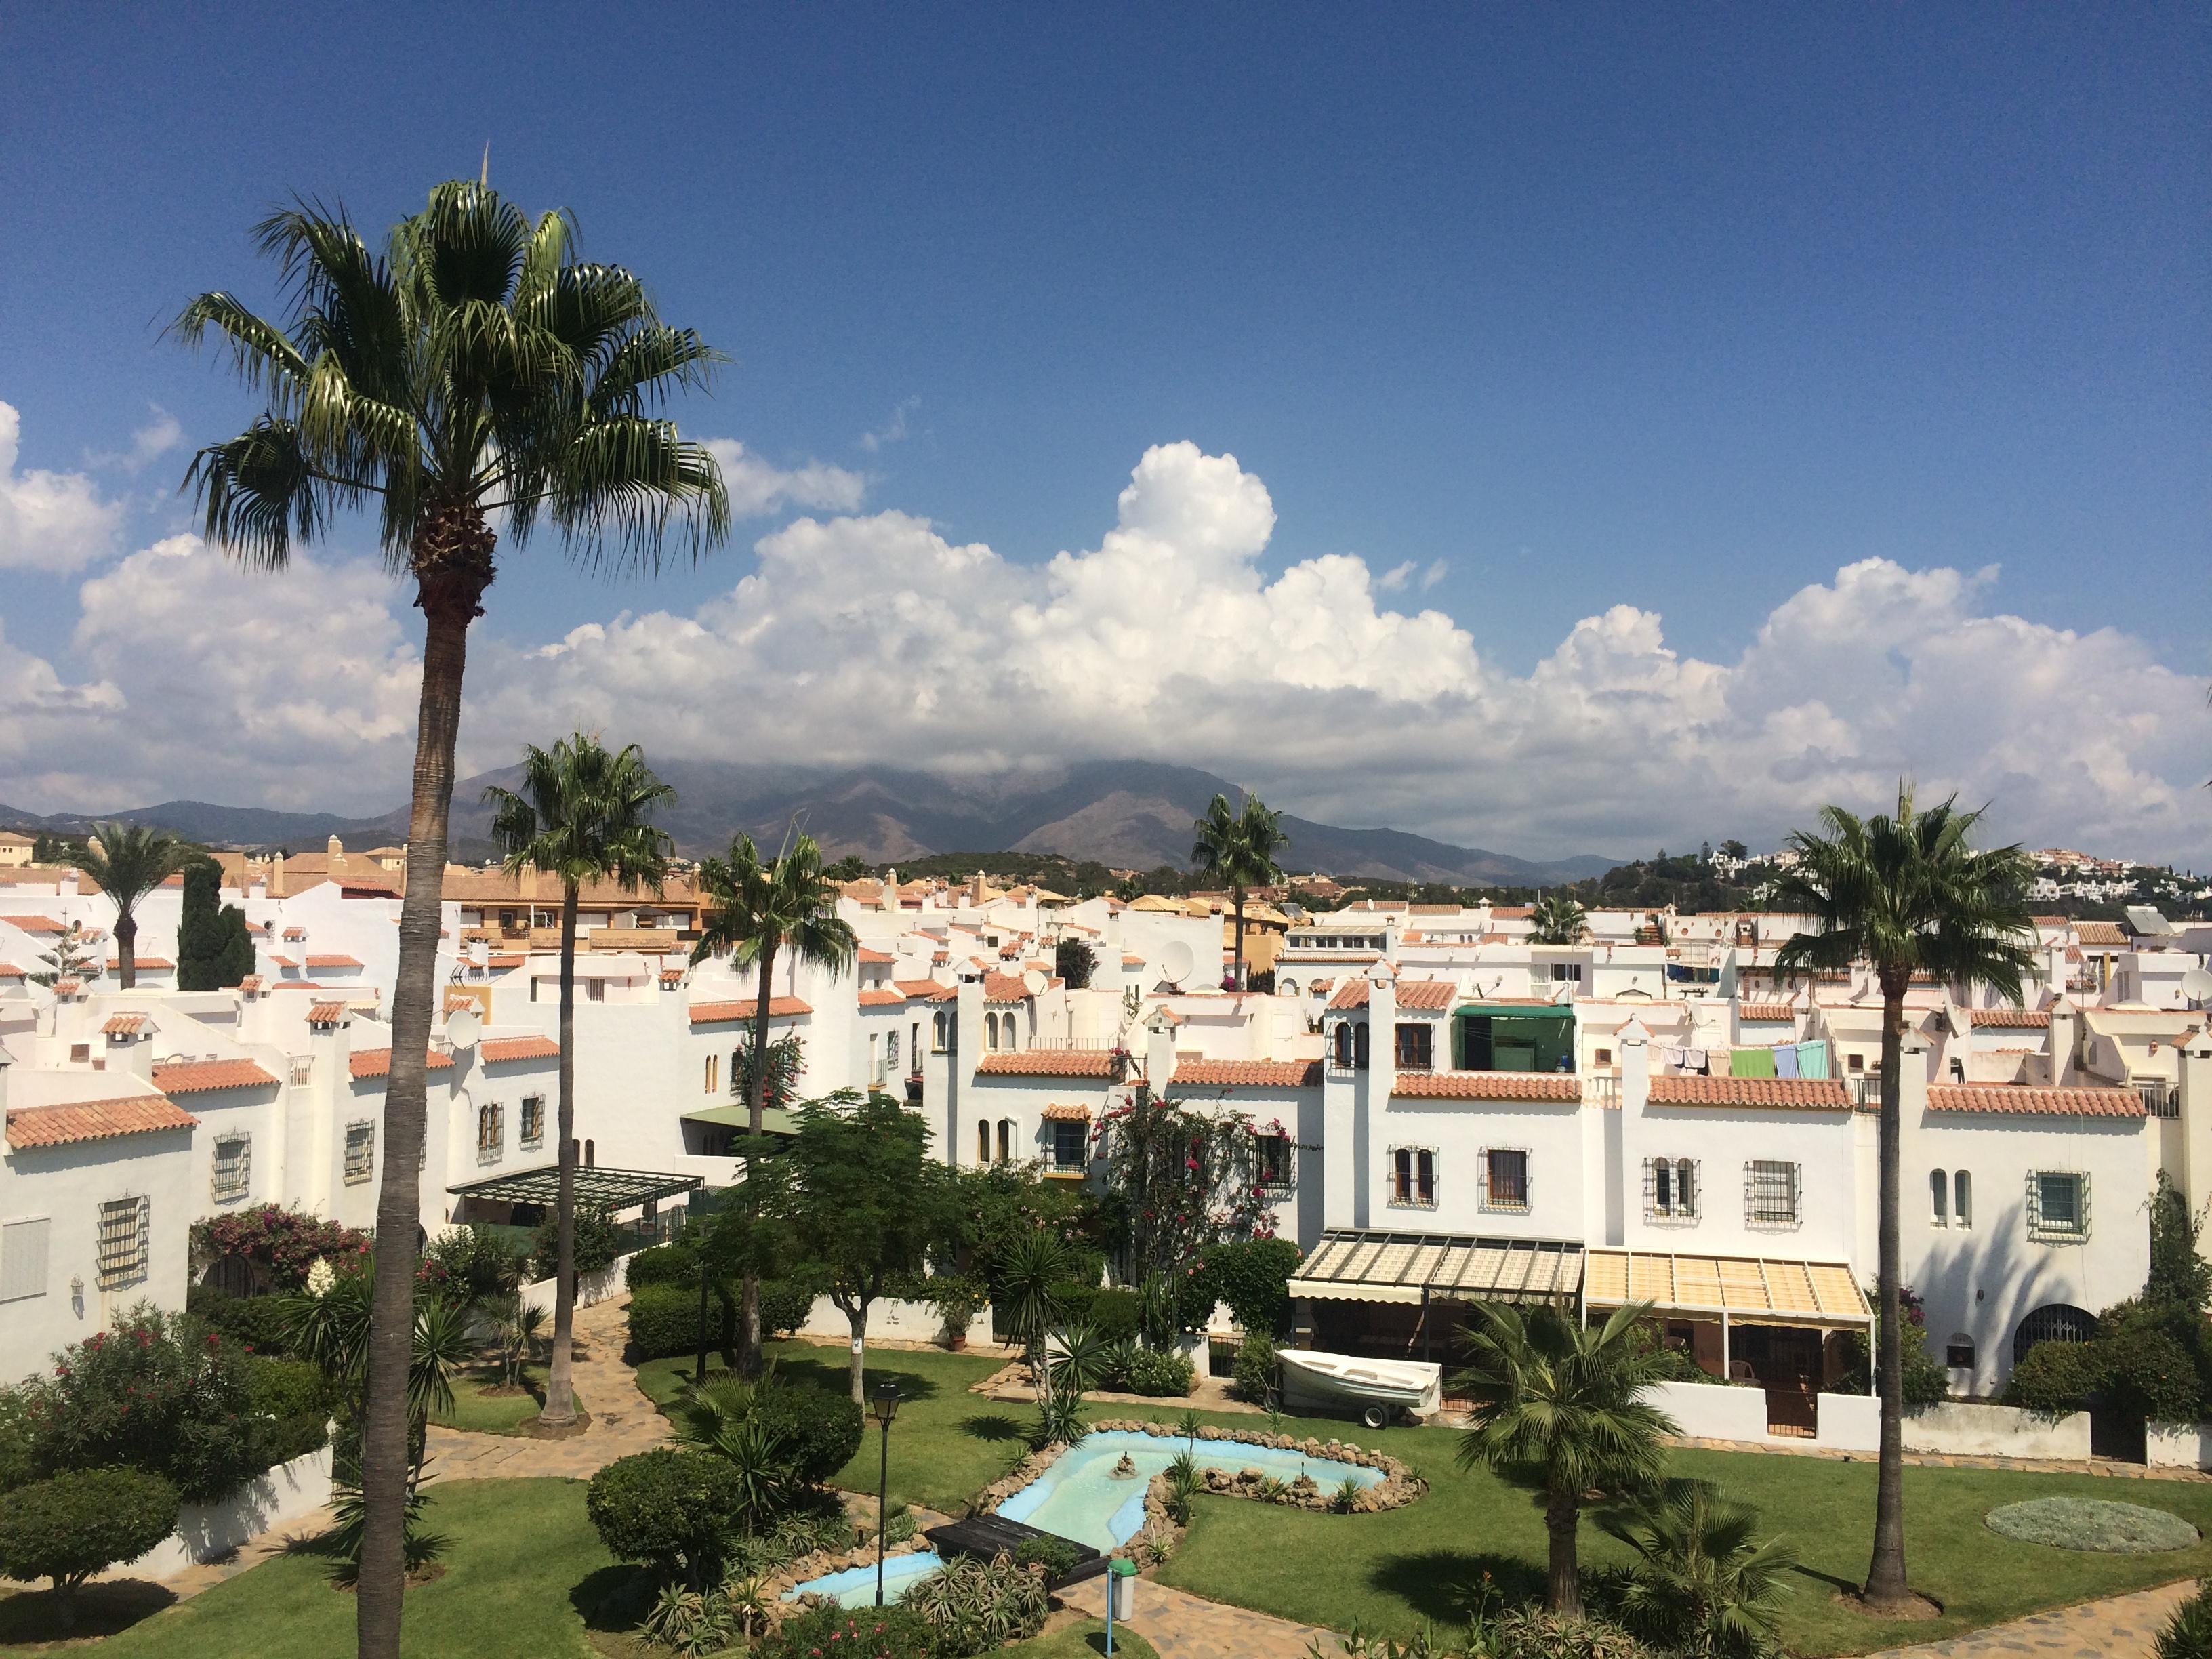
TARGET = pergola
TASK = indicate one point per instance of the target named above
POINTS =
(597, 1188)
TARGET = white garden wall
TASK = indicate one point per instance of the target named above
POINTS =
(207, 1531)
(1848, 1422)
(590, 1287)
(910, 1321)
(1712, 1411)
(1973, 1430)
(2178, 1445)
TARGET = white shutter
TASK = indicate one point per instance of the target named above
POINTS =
(23, 1259)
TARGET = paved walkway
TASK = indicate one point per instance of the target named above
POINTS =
(2118, 1627)
(1181, 1625)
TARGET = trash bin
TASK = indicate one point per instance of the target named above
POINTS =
(1122, 1587)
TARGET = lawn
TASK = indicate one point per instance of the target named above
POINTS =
(523, 1568)
(476, 1408)
(1392, 1571)
(1084, 1641)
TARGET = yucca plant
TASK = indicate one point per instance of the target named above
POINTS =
(1703, 1582)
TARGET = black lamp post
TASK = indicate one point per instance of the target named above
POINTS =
(884, 1408)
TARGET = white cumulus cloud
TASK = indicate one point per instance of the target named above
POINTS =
(53, 521)
(758, 488)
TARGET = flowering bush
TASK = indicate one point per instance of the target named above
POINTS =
(1181, 1180)
(851, 1633)
(283, 1243)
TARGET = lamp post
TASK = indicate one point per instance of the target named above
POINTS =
(884, 1408)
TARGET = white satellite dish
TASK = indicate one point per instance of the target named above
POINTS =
(1034, 981)
(463, 1027)
(1176, 962)
(2196, 985)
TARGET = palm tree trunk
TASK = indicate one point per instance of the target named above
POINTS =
(454, 570)
(1563, 1579)
(560, 1385)
(126, 948)
(1239, 968)
(749, 1314)
(1886, 1586)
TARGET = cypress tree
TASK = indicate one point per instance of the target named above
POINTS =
(214, 951)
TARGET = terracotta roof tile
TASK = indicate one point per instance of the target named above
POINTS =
(1487, 1085)
(2021, 1097)
(151, 964)
(710, 1013)
(124, 1025)
(377, 1062)
(314, 962)
(1512, 912)
(325, 1013)
(1247, 1073)
(1049, 1062)
(192, 1076)
(296, 932)
(496, 1049)
(251, 983)
(924, 990)
(9, 970)
(1426, 995)
(2010, 1019)
(881, 998)
(95, 1120)
(34, 924)
(1353, 993)
(1805, 1093)
(2099, 933)
(1005, 988)
(1129, 959)
(283, 962)
(1769, 1012)
(1065, 1112)
(875, 958)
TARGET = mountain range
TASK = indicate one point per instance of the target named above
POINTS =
(1127, 814)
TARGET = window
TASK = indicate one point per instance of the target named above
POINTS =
(983, 1140)
(1413, 1176)
(875, 1057)
(1603, 1057)
(2055, 1321)
(991, 1031)
(1670, 1189)
(1416, 1044)
(1567, 973)
(1344, 1045)
(1769, 1194)
(126, 1236)
(892, 1052)
(1962, 1199)
(1858, 1062)
(303, 1069)
(1504, 1179)
(591, 1153)
(941, 1028)
(233, 1167)
(1939, 1198)
(1959, 1353)
(713, 1072)
(491, 1131)
(595, 990)
(1359, 1046)
(1005, 1140)
(80, 1051)
(2058, 1206)
(360, 1153)
(24, 1246)
(532, 1126)
(1272, 1159)
(1071, 1145)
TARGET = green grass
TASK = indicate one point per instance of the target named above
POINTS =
(483, 1413)
(1084, 1641)
(523, 1569)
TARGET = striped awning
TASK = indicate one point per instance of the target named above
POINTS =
(1749, 1290)
(1413, 1267)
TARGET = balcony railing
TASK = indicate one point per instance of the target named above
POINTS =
(2159, 1098)
(1599, 1089)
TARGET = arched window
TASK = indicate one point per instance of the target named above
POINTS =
(1939, 1194)
(1344, 1045)
(1359, 1047)
(1289, 987)
(982, 1140)
(990, 1030)
(1005, 1140)
(1011, 1032)
(890, 1051)
(1962, 1199)
(591, 1153)
(2054, 1322)
(940, 1034)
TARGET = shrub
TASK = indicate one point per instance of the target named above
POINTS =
(663, 1320)
(597, 1245)
(1055, 1554)
(668, 1510)
(294, 1397)
(418, 1545)
(1161, 1375)
(896, 1632)
(2092, 1523)
(1252, 1276)
(663, 1264)
(1254, 1376)
(2057, 1378)
(283, 1243)
(973, 1605)
(472, 1264)
(77, 1524)
(2188, 1634)
(1114, 1315)
(784, 1305)
(255, 1323)
(819, 1430)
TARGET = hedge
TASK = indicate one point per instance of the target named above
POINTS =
(664, 1318)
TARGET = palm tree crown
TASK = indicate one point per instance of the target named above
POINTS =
(1239, 848)
(1558, 919)
(582, 815)
(130, 860)
(1705, 1581)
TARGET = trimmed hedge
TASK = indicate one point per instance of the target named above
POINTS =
(1158, 1374)
(252, 1322)
(672, 1511)
(664, 1317)
(76, 1524)
(821, 1430)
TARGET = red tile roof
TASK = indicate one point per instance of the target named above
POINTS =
(334, 962)
(877, 958)
(9, 970)
(1766, 1013)
(1005, 988)
(496, 1049)
(2010, 1019)
(377, 1062)
(325, 1013)
(151, 964)
(1426, 995)
(1512, 912)
(2021, 1097)
(710, 1013)
(1050, 1062)
(881, 998)
(283, 962)
(1805, 1093)
(34, 924)
(1353, 993)
(192, 1076)
(1247, 1073)
(296, 932)
(251, 983)
(924, 990)
(1487, 1085)
(1065, 1112)
(95, 1120)
(123, 1025)
(2099, 933)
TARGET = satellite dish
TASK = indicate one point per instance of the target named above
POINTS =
(2196, 985)
(1176, 962)
(463, 1027)
(1034, 981)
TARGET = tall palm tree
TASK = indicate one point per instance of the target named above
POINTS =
(1030, 1277)
(130, 860)
(758, 912)
(1903, 894)
(1240, 848)
(1555, 1409)
(475, 366)
(1558, 920)
(582, 815)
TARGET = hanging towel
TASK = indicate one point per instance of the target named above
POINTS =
(1813, 1059)
(1751, 1062)
(1693, 1060)
(1785, 1060)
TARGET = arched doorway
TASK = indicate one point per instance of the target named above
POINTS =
(2054, 1322)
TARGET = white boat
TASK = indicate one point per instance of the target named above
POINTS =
(1378, 1388)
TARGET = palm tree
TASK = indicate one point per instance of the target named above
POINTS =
(1029, 1278)
(1704, 1582)
(1239, 848)
(582, 816)
(1556, 1409)
(1558, 920)
(760, 911)
(130, 860)
(475, 366)
(1905, 895)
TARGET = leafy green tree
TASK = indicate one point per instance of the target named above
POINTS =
(757, 911)
(1703, 1582)
(1075, 961)
(2179, 1274)
(1558, 919)
(214, 949)
(49, 848)
(584, 814)
(81, 1522)
(475, 366)
(1239, 848)
(1555, 1408)
(1903, 893)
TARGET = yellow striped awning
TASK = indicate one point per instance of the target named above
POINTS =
(1352, 1265)
(1752, 1290)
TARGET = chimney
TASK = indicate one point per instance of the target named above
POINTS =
(2062, 1038)
(2196, 1063)
(335, 850)
(276, 874)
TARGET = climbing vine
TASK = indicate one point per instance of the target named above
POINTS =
(1181, 1180)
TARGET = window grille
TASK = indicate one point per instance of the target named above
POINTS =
(125, 1239)
(1671, 1190)
(1413, 1177)
(233, 1167)
(1939, 1198)
(533, 1121)
(303, 1069)
(1273, 1159)
(360, 1153)
(1416, 1046)
(1769, 1194)
(491, 1131)
(2058, 1206)
(1959, 1353)
(1962, 1207)
(1071, 1145)
(1504, 1178)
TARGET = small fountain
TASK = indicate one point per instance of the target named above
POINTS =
(1126, 1469)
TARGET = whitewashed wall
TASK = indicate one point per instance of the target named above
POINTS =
(1975, 1431)
(207, 1531)
(2178, 1445)
(590, 1287)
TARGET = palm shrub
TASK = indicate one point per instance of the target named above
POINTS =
(1558, 919)
(1703, 1583)
(419, 1547)
(81, 1522)
(516, 1324)
(2188, 1633)
(974, 1606)
(1028, 1294)
(1555, 1408)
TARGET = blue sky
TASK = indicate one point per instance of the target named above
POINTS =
(1567, 309)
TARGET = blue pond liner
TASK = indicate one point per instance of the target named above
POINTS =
(855, 1587)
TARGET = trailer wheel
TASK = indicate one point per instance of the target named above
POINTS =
(1375, 1417)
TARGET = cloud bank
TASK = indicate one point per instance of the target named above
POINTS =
(870, 637)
